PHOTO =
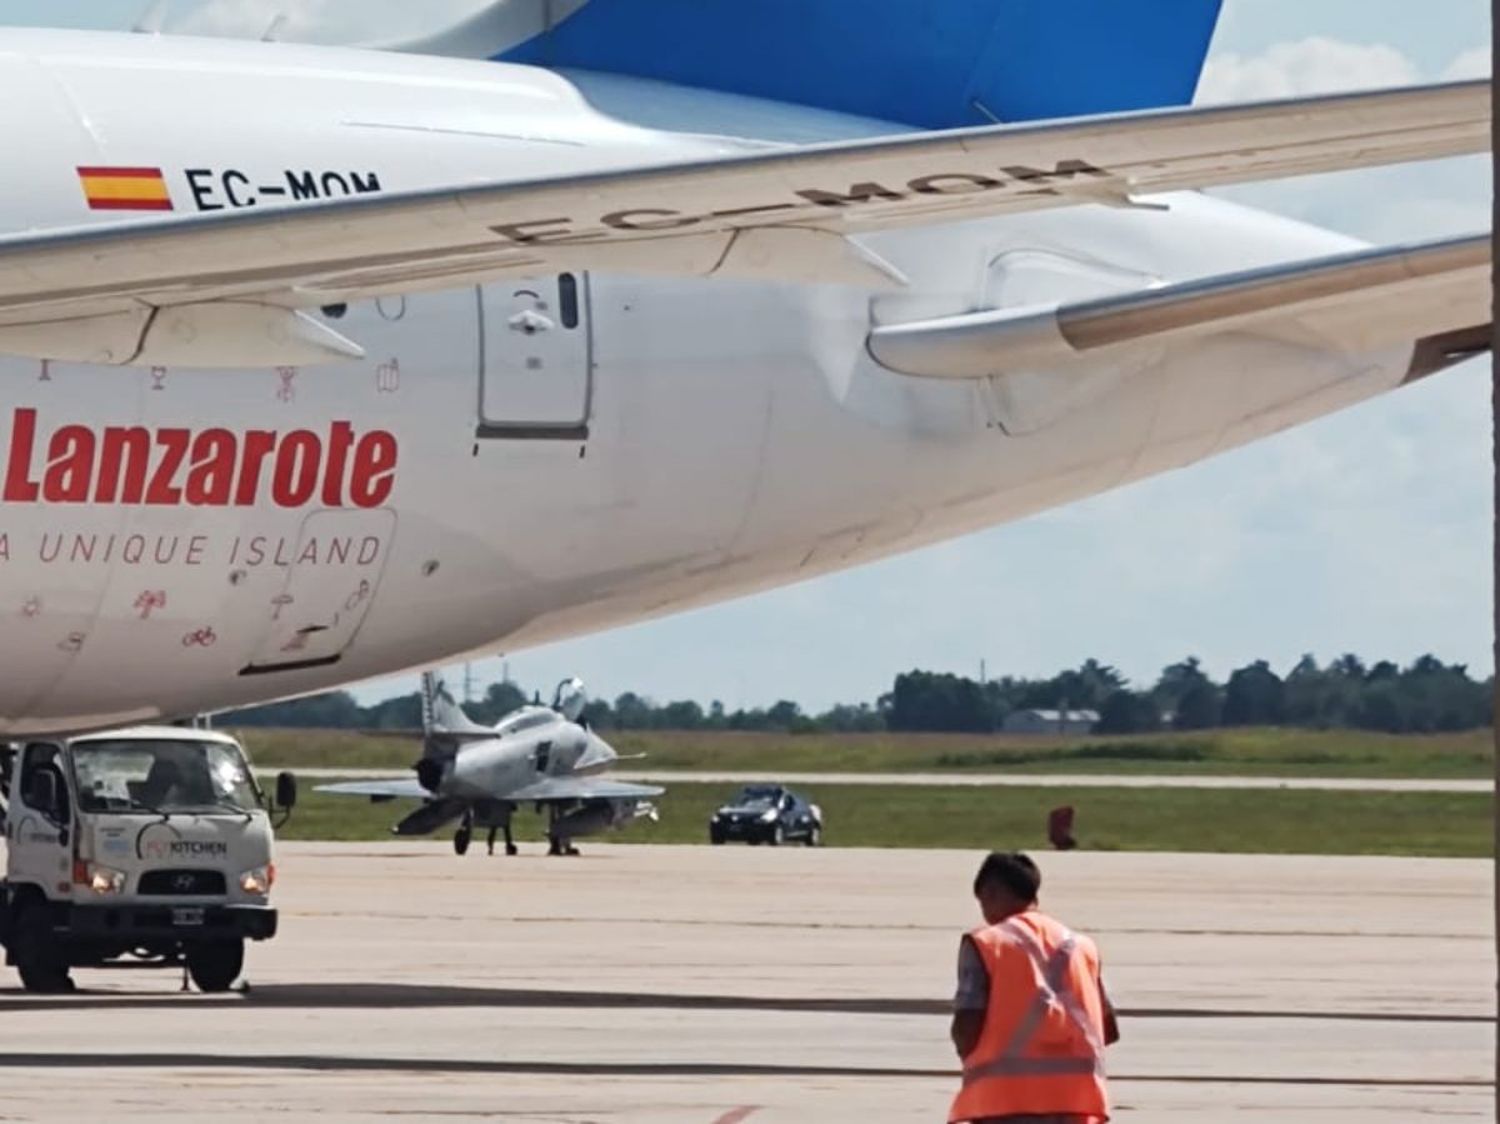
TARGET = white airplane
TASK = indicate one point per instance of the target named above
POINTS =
(322, 364)
(479, 776)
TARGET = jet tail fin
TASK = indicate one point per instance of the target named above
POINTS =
(441, 714)
(914, 62)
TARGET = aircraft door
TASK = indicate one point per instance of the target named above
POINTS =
(333, 576)
(537, 376)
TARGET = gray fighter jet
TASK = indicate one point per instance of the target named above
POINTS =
(478, 776)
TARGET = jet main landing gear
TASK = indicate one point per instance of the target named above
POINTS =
(558, 844)
(510, 843)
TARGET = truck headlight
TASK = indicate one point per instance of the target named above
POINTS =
(259, 881)
(104, 881)
(769, 817)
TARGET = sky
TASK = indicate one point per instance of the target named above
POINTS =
(1368, 531)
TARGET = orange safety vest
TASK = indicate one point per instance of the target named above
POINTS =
(1042, 1049)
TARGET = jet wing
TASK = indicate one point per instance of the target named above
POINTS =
(581, 788)
(130, 293)
(397, 788)
(1358, 302)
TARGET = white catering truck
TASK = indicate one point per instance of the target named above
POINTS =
(149, 847)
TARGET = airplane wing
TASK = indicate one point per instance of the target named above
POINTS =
(123, 293)
(582, 788)
(397, 788)
(1360, 302)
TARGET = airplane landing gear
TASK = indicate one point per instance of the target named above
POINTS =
(463, 836)
(510, 843)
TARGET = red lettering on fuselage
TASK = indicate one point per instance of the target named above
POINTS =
(172, 444)
(19, 486)
(179, 467)
(125, 455)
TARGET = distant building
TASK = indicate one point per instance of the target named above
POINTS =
(1060, 722)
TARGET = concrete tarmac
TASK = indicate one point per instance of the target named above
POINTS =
(685, 985)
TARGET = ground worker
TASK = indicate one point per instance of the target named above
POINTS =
(1031, 1018)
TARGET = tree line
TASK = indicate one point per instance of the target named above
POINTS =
(1427, 696)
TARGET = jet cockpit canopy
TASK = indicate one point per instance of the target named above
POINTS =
(570, 699)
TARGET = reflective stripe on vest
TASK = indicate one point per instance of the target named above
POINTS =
(1054, 974)
(1052, 987)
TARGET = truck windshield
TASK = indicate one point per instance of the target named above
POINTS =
(162, 776)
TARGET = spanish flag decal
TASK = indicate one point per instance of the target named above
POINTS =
(125, 189)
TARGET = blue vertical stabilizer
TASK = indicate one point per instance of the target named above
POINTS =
(927, 63)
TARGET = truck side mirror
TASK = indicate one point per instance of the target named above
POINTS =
(286, 791)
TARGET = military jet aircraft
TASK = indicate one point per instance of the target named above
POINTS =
(478, 776)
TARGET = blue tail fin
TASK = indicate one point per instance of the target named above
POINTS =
(926, 63)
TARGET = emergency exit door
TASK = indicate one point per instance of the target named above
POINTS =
(537, 366)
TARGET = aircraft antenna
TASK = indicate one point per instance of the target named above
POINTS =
(994, 118)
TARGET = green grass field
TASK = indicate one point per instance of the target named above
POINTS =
(1268, 752)
(1205, 820)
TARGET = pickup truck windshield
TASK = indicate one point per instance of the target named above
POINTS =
(162, 776)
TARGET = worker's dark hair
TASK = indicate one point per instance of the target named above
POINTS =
(1011, 869)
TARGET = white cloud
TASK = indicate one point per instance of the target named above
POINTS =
(1309, 66)
(1477, 63)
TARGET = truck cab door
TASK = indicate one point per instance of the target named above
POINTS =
(39, 827)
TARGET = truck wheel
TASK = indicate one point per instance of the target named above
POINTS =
(716, 838)
(38, 954)
(214, 967)
(778, 836)
(815, 835)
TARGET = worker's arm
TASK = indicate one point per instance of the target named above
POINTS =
(1111, 1023)
(967, 1028)
(971, 1000)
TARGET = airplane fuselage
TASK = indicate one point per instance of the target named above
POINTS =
(541, 457)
